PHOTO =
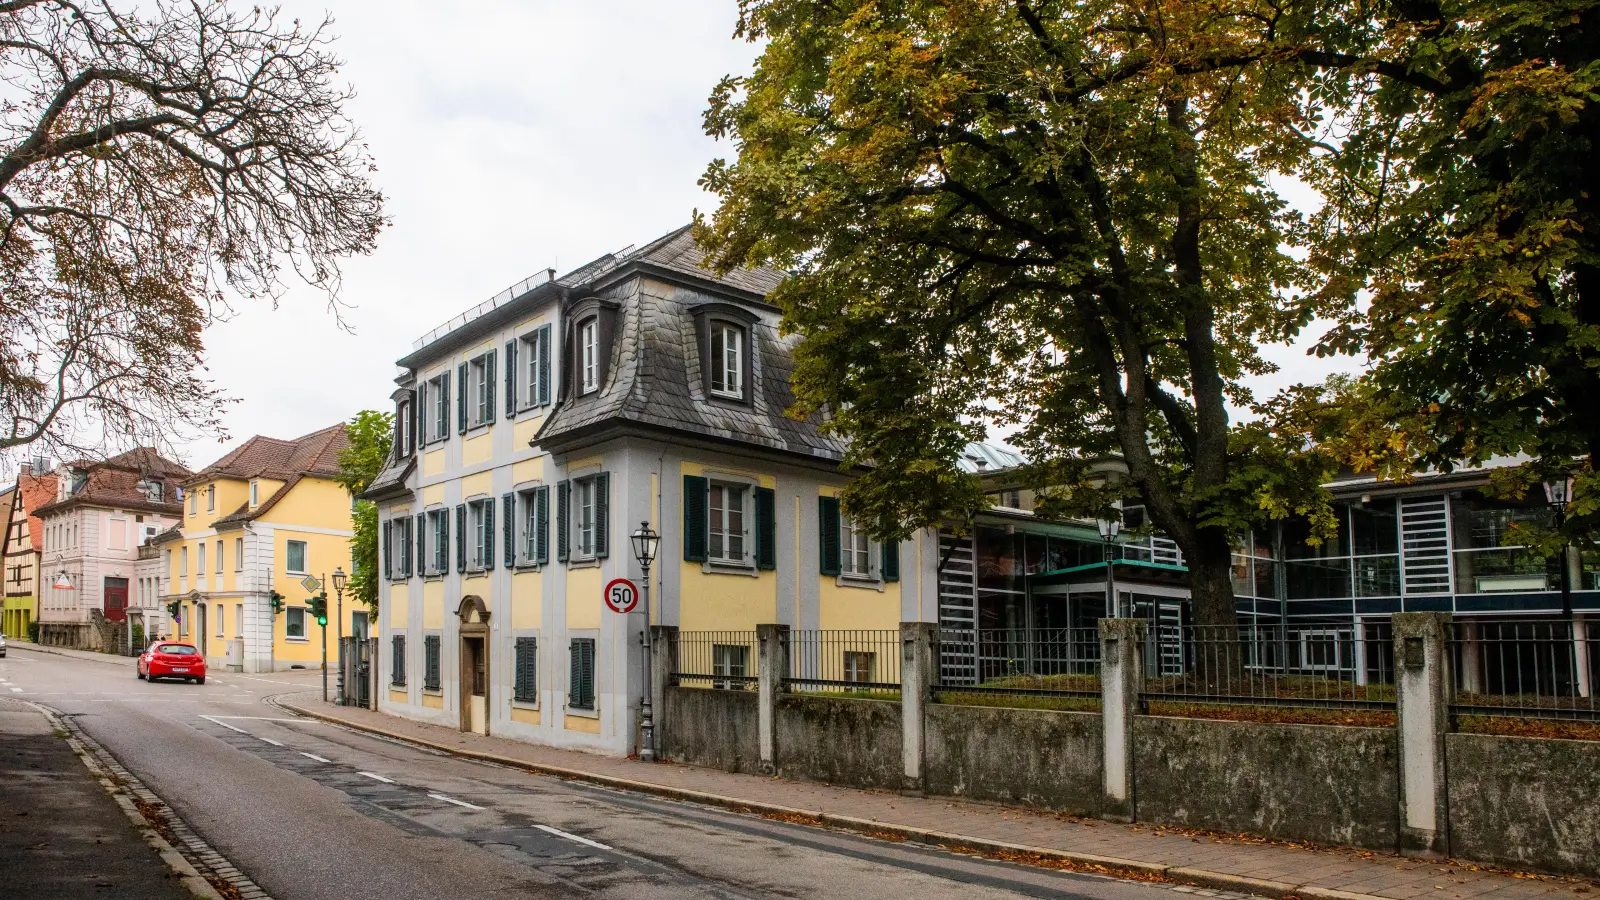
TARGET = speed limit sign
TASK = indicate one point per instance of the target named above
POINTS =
(621, 596)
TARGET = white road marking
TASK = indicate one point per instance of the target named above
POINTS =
(377, 777)
(313, 756)
(455, 801)
(268, 718)
(270, 741)
(213, 720)
(572, 837)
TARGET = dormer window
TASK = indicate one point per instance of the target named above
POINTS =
(589, 356)
(153, 490)
(727, 360)
(255, 494)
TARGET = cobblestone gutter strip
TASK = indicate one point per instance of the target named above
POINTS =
(201, 868)
(1040, 856)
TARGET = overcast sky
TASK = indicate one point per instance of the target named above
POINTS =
(511, 136)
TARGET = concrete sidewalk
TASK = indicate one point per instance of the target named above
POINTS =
(61, 834)
(86, 655)
(1177, 855)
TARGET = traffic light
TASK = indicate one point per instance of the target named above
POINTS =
(277, 602)
(173, 608)
(319, 608)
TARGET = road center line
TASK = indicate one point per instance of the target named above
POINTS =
(271, 741)
(377, 777)
(455, 801)
(572, 837)
(313, 756)
(213, 720)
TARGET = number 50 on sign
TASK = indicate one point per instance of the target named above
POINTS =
(621, 596)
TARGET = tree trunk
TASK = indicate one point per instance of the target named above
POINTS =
(1218, 654)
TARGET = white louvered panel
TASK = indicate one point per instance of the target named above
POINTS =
(1425, 545)
(1165, 551)
(958, 612)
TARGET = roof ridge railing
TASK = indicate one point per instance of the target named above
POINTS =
(506, 296)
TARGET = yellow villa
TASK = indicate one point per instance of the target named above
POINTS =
(258, 524)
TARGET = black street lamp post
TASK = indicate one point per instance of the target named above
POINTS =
(1108, 533)
(1559, 492)
(645, 543)
(338, 630)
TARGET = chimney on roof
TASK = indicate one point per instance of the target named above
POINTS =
(549, 275)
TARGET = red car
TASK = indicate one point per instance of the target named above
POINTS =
(170, 659)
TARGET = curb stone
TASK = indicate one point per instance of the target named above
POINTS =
(1114, 867)
(200, 867)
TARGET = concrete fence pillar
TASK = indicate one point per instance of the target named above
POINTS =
(1121, 680)
(1424, 690)
(663, 662)
(772, 666)
(1580, 654)
(918, 674)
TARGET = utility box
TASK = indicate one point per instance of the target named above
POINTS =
(235, 658)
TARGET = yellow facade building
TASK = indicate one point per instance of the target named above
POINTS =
(257, 525)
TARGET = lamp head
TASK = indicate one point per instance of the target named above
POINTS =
(1108, 528)
(339, 578)
(645, 544)
(1558, 491)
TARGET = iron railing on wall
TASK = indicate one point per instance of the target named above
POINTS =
(1526, 669)
(1042, 667)
(844, 661)
(1332, 666)
(725, 660)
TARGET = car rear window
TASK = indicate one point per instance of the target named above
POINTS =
(176, 649)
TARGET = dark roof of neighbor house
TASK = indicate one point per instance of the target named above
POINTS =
(115, 482)
(315, 455)
(392, 480)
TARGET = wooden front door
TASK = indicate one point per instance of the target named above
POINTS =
(474, 685)
(116, 599)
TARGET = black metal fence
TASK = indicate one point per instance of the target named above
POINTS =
(724, 660)
(848, 661)
(1333, 666)
(1041, 667)
(1527, 669)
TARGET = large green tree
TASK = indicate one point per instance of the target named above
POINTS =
(1057, 215)
(1461, 197)
(371, 440)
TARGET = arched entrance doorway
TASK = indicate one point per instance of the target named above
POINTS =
(473, 615)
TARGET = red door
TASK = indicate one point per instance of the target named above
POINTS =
(116, 594)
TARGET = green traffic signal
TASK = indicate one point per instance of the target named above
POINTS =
(323, 621)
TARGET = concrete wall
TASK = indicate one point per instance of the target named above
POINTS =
(849, 742)
(712, 728)
(1529, 803)
(1021, 756)
(1329, 784)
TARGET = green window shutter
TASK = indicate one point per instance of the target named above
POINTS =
(580, 677)
(422, 544)
(430, 662)
(511, 378)
(563, 514)
(890, 565)
(397, 664)
(527, 670)
(541, 524)
(405, 546)
(696, 518)
(766, 528)
(444, 391)
(544, 365)
(488, 387)
(388, 566)
(508, 528)
(828, 532)
(488, 534)
(461, 537)
(602, 515)
(461, 398)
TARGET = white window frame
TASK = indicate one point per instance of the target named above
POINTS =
(200, 559)
(723, 657)
(289, 615)
(583, 519)
(478, 390)
(438, 523)
(721, 555)
(194, 504)
(436, 424)
(727, 361)
(528, 344)
(1322, 634)
(211, 498)
(238, 554)
(526, 527)
(850, 537)
(305, 558)
(218, 568)
(255, 494)
(588, 355)
(222, 619)
(477, 522)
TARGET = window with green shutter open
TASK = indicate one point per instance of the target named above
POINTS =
(526, 670)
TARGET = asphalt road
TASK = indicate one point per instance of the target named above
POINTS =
(312, 811)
